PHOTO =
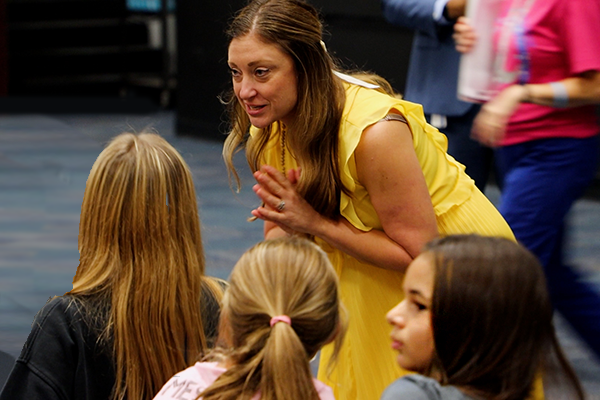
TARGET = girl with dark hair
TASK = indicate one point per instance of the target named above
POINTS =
(476, 323)
(281, 307)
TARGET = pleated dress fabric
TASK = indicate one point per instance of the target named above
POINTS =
(366, 364)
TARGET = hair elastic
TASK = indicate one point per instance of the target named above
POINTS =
(561, 97)
(281, 318)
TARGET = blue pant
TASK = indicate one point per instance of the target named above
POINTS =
(540, 181)
(477, 159)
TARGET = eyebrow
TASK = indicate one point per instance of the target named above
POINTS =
(418, 293)
(253, 63)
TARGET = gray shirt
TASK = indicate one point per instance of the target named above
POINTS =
(419, 387)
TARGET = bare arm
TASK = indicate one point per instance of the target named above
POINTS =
(397, 188)
(582, 90)
(398, 192)
(490, 124)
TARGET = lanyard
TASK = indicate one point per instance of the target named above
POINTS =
(523, 54)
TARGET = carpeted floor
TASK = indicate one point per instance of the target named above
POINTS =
(45, 161)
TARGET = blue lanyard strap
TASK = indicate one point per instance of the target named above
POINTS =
(523, 54)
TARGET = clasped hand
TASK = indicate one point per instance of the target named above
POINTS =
(296, 216)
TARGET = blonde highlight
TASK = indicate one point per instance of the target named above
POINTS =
(141, 253)
(286, 276)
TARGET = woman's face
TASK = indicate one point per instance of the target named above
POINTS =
(264, 80)
(411, 335)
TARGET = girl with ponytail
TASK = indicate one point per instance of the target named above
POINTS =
(281, 307)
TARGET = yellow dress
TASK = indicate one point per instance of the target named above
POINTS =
(366, 364)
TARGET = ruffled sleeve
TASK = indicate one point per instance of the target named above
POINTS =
(447, 183)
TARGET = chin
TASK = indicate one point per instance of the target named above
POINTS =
(402, 363)
(260, 124)
(262, 121)
(408, 365)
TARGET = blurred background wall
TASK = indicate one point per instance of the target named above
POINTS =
(139, 55)
(356, 34)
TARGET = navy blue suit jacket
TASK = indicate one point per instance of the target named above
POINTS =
(433, 67)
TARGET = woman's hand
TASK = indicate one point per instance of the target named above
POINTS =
(489, 127)
(464, 35)
(389, 169)
(283, 206)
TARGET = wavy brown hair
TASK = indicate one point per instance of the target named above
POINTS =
(492, 319)
(294, 26)
(285, 276)
(141, 255)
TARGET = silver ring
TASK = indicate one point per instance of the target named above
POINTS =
(280, 206)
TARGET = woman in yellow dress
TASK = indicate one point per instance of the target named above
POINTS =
(340, 159)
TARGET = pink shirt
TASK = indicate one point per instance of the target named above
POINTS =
(562, 40)
(189, 383)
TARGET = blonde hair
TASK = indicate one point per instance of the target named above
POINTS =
(141, 258)
(285, 276)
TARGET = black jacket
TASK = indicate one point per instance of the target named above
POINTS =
(63, 359)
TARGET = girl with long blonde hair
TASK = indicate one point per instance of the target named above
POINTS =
(281, 307)
(141, 307)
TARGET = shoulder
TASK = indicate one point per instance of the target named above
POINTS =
(418, 387)
(404, 388)
(48, 361)
(85, 314)
(194, 379)
(57, 311)
(61, 321)
(364, 107)
(324, 391)
(362, 101)
(571, 13)
(57, 304)
(61, 325)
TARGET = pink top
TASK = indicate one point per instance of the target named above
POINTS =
(189, 383)
(561, 37)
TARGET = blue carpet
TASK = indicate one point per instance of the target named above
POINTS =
(44, 164)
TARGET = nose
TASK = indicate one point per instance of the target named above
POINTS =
(246, 88)
(396, 316)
